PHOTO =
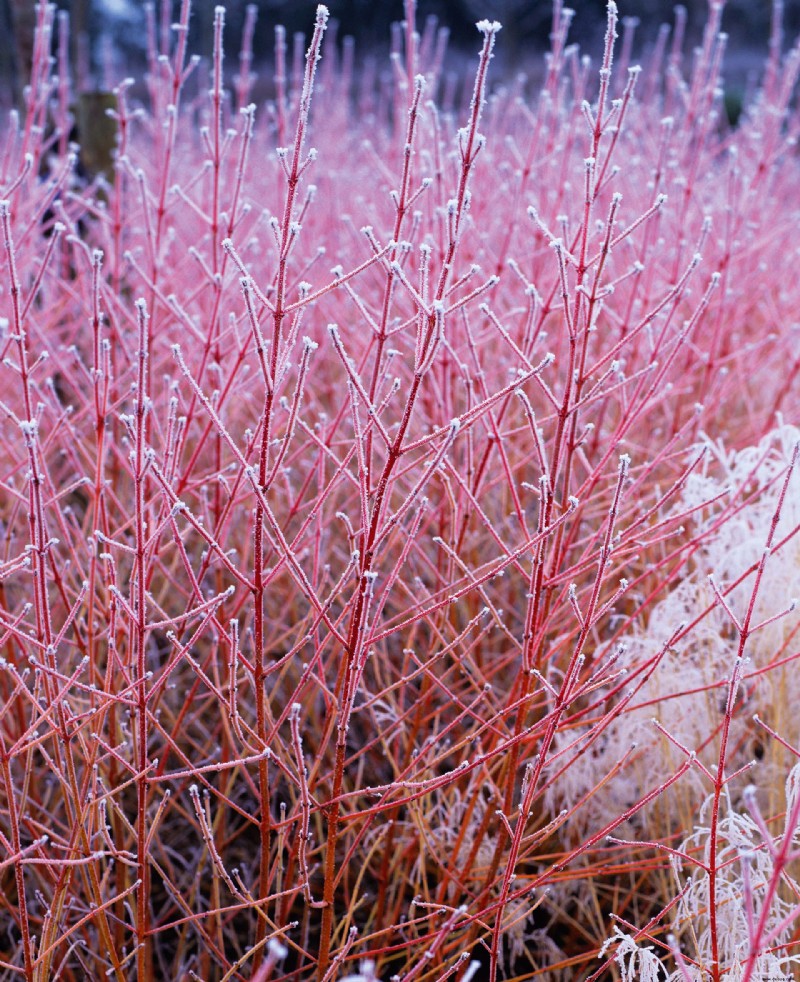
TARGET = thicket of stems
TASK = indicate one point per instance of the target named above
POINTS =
(400, 510)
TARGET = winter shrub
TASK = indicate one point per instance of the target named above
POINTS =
(400, 506)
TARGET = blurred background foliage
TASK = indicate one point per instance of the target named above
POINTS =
(113, 31)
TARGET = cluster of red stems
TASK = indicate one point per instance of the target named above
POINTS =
(334, 480)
